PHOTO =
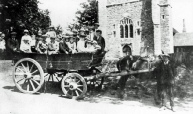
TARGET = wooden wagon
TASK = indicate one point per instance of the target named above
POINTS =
(76, 70)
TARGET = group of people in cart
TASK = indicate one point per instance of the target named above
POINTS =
(50, 43)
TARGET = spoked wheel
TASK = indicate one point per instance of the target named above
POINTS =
(28, 75)
(52, 77)
(74, 85)
(97, 83)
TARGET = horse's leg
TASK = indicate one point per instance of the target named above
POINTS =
(121, 85)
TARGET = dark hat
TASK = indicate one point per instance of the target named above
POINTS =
(13, 33)
(99, 31)
(97, 24)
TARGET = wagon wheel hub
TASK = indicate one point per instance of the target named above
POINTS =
(73, 86)
(28, 75)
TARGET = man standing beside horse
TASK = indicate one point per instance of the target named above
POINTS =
(165, 81)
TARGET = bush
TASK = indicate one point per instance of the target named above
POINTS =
(182, 77)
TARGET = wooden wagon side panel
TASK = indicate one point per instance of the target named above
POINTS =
(40, 58)
(78, 61)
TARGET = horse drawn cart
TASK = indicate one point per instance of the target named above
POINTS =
(76, 70)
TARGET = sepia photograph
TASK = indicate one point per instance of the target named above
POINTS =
(96, 56)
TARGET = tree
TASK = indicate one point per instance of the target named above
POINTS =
(86, 17)
(58, 30)
(24, 14)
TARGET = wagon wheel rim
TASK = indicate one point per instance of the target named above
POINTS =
(74, 85)
(28, 76)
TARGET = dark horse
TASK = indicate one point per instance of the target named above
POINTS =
(129, 63)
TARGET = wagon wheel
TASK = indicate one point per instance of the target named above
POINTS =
(97, 83)
(74, 85)
(28, 75)
(52, 77)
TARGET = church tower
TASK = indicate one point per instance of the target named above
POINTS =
(166, 26)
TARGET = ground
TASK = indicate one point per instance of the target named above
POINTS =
(52, 102)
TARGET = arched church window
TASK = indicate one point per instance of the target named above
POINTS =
(126, 31)
(122, 31)
(126, 28)
(131, 30)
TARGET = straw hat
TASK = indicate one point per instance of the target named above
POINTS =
(13, 33)
(25, 31)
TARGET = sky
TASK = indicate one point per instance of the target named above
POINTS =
(63, 12)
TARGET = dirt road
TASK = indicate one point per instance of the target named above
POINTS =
(14, 102)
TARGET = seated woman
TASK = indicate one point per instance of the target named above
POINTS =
(25, 46)
(81, 43)
(72, 45)
(53, 46)
(42, 45)
(26, 40)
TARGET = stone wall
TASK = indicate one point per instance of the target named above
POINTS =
(155, 34)
(139, 11)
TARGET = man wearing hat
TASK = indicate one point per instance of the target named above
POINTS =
(12, 43)
(63, 47)
(26, 41)
(100, 41)
(165, 81)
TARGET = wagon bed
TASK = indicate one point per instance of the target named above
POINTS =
(77, 61)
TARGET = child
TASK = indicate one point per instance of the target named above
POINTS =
(42, 45)
(53, 46)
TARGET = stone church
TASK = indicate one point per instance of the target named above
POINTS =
(139, 27)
